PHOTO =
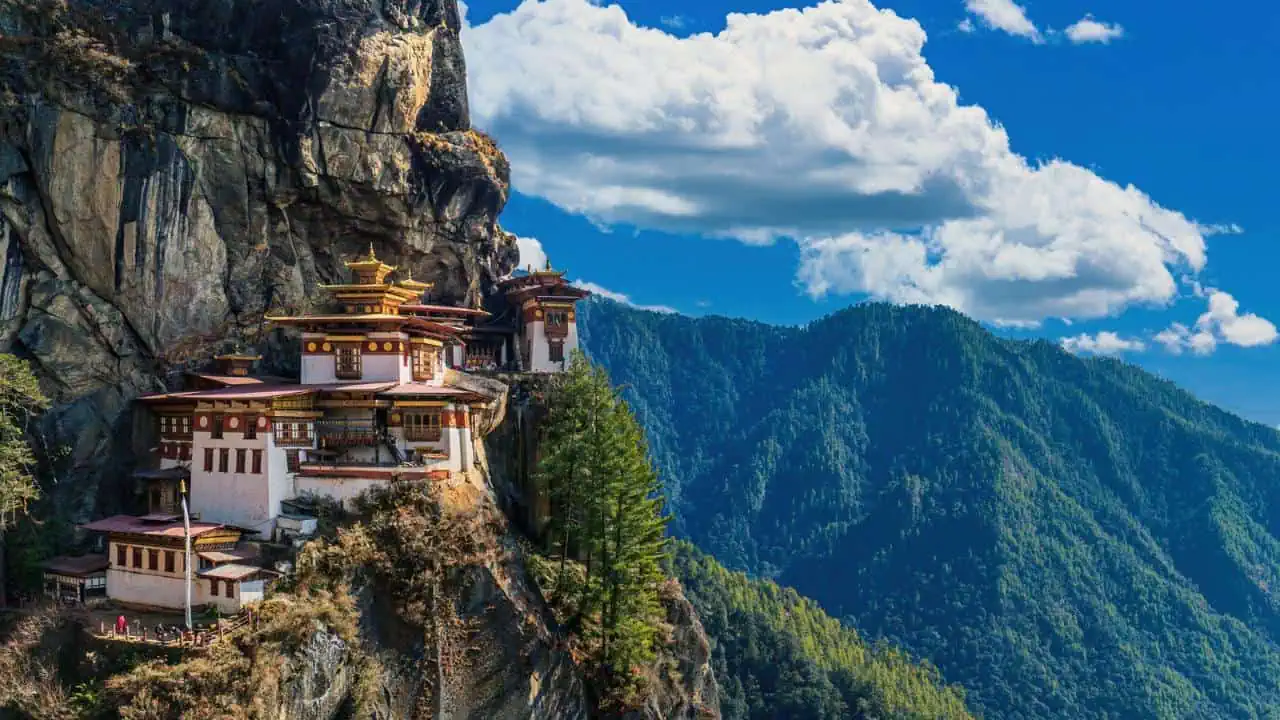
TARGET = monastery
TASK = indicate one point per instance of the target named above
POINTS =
(382, 398)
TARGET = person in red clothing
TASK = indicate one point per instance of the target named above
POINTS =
(121, 625)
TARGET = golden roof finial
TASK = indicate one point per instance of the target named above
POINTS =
(371, 255)
(548, 264)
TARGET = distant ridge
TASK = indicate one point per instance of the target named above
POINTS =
(1064, 537)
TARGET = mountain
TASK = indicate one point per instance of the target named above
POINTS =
(171, 170)
(783, 657)
(1064, 537)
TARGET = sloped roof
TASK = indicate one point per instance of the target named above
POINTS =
(137, 526)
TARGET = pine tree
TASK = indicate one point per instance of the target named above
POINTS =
(20, 399)
(606, 516)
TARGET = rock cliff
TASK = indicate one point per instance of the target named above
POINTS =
(170, 170)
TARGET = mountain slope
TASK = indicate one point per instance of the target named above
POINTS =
(779, 655)
(1064, 537)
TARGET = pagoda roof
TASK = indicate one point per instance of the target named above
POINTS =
(227, 379)
(260, 391)
(370, 386)
(76, 566)
(411, 321)
(128, 524)
(444, 310)
(423, 390)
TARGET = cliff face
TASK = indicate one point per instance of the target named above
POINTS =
(171, 170)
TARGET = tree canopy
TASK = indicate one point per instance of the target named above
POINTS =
(1064, 537)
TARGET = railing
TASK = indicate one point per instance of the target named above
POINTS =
(295, 402)
(423, 434)
(173, 636)
(342, 433)
(290, 438)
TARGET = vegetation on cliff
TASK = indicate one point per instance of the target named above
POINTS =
(606, 517)
(1066, 538)
(778, 654)
(20, 401)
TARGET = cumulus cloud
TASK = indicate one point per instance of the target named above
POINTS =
(531, 252)
(1220, 323)
(1088, 30)
(825, 126)
(1104, 343)
(620, 297)
(1006, 16)
(675, 22)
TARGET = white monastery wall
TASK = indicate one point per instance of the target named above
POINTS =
(344, 490)
(232, 498)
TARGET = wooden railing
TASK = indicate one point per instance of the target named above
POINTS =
(423, 434)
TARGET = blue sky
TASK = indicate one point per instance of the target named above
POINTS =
(1100, 182)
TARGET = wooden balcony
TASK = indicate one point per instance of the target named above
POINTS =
(423, 434)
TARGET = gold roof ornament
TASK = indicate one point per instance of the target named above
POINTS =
(410, 284)
(370, 270)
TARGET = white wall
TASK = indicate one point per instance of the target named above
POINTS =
(200, 595)
(344, 490)
(140, 588)
(540, 353)
(318, 369)
(231, 498)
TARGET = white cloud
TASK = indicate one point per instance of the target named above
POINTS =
(1088, 30)
(824, 125)
(1221, 323)
(966, 26)
(675, 22)
(1004, 15)
(531, 252)
(1220, 229)
(1104, 343)
(620, 297)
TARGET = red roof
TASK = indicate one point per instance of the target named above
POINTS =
(230, 572)
(261, 391)
(377, 386)
(228, 379)
(137, 526)
(432, 391)
(78, 566)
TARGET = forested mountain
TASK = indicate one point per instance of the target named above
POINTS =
(778, 655)
(1064, 537)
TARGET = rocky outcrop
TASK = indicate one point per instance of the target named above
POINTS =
(170, 170)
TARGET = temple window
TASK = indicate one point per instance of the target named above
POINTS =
(257, 462)
(424, 362)
(347, 362)
(250, 427)
(137, 558)
(422, 427)
(224, 456)
(168, 561)
(217, 427)
(240, 455)
(556, 351)
(184, 426)
(213, 588)
(230, 589)
(208, 459)
(292, 460)
(153, 559)
(122, 556)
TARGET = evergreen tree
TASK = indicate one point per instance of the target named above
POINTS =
(20, 400)
(606, 517)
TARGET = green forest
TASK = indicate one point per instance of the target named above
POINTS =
(1063, 537)
(778, 655)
